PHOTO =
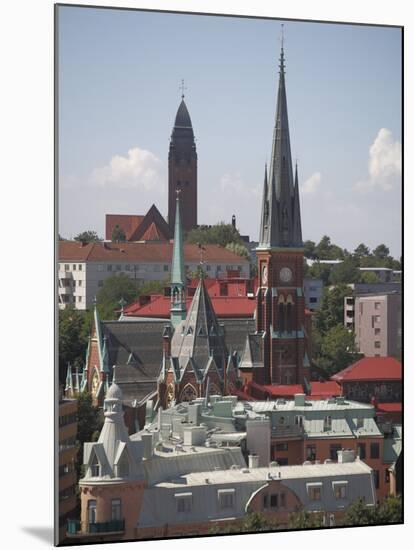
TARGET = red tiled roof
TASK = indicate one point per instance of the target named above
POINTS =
(126, 222)
(159, 307)
(325, 389)
(287, 390)
(143, 252)
(371, 368)
(389, 407)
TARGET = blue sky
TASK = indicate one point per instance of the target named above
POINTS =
(119, 77)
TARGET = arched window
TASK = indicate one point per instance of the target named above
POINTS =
(281, 314)
(289, 314)
(188, 394)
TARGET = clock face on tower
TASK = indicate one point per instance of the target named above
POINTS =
(285, 274)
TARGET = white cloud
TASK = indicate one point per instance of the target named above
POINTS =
(384, 164)
(234, 185)
(311, 184)
(139, 169)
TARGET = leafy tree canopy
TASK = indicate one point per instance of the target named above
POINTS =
(336, 349)
(73, 340)
(114, 289)
(305, 520)
(347, 272)
(361, 250)
(368, 277)
(388, 511)
(381, 251)
(118, 234)
(221, 234)
(88, 237)
(331, 311)
(238, 249)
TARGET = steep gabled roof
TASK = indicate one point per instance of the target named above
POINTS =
(200, 335)
(153, 227)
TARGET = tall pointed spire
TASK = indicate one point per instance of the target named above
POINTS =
(297, 225)
(178, 300)
(281, 200)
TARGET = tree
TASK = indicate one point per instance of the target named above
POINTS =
(72, 340)
(114, 289)
(320, 271)
(252, 522)
(388, 511)
(89, 424)
(336, 350)
(221, 234)
(346, 272)
(238, 249)
(368, 277)
(331, 311)
(382, 252)
(88, 237)
(325, 250)
(305, 520)
(309, 247)
(118, 234)
(361, 250)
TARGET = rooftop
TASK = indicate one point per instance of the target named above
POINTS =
(371, 368)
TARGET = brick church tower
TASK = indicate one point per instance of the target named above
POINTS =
(182, 170)
(280, 313)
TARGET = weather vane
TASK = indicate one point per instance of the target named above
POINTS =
(182, 88)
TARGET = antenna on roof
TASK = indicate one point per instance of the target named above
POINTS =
(114, 374)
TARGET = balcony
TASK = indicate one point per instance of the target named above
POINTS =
(80, 528)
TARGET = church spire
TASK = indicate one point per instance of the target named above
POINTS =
(283, 216)
(178, 279)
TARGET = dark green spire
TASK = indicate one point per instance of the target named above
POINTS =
(178, 279)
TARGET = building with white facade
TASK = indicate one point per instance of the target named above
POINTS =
(83, 268)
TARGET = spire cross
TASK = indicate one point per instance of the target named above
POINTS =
(178, 192)
(182, 88)
(201, 249)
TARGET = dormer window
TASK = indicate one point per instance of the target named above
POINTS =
(327, 423)
(95, 467)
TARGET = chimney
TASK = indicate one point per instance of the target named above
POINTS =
(147, 440)
(253, 461)
(346, 455)
(299, 399)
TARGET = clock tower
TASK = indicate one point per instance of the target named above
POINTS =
(280, 312)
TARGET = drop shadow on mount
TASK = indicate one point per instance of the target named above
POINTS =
(44, 534)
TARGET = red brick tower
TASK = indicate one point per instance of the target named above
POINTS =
(182, 170)
(280, 314)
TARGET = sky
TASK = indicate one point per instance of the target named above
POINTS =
(119, 91)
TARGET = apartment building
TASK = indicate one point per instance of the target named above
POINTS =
(83, 268)
(181, 476)
(66, 461)
(312, 290)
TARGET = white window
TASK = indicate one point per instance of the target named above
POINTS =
(339, 489)
(127, 267)
(377, 305)
(100, 267)
(118, 267)
(67, 267)
(208, 267)
(109, 267)
(92, 511)
(74, 267)
(226, 498)
(79, 283)
(327, 423)
(80, 267)
(314, 491)
(165, 267)
(184, 502)
(79, 298)
(299, 420)
(95, 468)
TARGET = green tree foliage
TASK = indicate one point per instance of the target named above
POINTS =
(89, 425)
(238, 249)
(305, 520)
(114, 289)
(309, 247)
(221, 234)
(331, 311)
(88, 237)
(388, 511)
(381, 251)
(73, 340)
(253, 522)
(361, 250)
(320, 271)
(347, 272)
(118, 234)
(368, 277)
(335, 350)
(325, 250)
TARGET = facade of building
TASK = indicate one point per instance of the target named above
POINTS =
(182, 170)
(83, 268)
(312, 289)
(377, 324)
(68, 426)
(181, 476)
(361, 289)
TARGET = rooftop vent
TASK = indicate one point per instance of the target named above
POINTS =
(307, 463)
(245, 470)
